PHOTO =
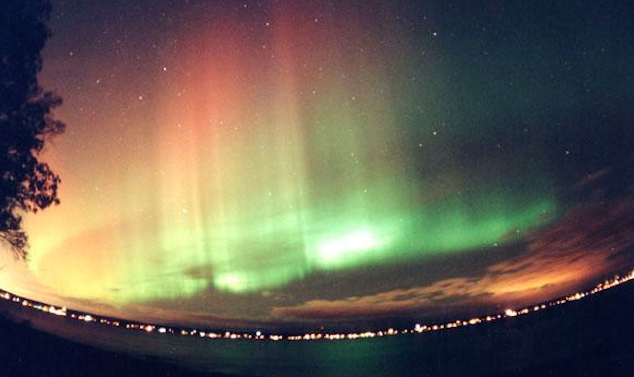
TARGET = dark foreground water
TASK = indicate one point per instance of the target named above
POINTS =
(592, 337)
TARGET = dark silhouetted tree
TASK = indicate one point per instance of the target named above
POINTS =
(26, 124)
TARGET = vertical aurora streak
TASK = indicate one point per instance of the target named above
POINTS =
(269, 156)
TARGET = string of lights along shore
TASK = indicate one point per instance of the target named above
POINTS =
(280, 164)
(315, 335)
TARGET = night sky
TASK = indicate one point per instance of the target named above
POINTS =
(275, 162)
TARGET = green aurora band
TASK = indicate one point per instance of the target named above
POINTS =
(265, 172)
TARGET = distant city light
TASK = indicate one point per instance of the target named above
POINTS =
(310, 336)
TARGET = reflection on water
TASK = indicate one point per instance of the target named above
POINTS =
(509, 346)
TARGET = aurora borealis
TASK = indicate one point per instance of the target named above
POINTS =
(261, 161)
